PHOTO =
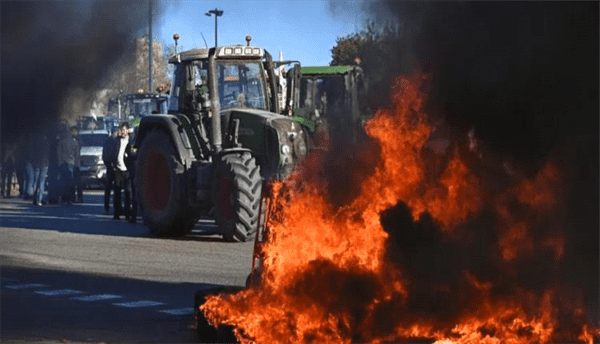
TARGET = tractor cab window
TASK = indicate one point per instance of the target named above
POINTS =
(189, 92)
(241, 85)
(197, 88)
(177, 88)
(330, 98)
(306, 94)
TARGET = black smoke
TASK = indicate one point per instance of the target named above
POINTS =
(51, 49)
(524, 76)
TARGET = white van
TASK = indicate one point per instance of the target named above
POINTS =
(93, 171)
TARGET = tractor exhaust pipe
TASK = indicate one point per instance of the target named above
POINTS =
(215, 106)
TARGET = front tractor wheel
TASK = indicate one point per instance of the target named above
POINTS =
(237, 196)
(160, 184)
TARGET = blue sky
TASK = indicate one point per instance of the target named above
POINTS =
(302, 30)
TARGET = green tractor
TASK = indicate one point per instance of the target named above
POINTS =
(328, 101)
(222, 137)
(137, 105)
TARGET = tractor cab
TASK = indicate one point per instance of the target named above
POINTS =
(327, 100)
(242, 76)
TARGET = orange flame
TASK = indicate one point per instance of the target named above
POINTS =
(328, 275)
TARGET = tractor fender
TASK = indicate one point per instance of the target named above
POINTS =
(173, 126)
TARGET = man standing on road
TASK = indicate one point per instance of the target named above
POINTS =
(8, 169)
(40, 161)
(53, 170)
(118, 157)
(29, 173)
(110, 173)
(22, 161)
(78, 195)
(68, 156)
(130, 162)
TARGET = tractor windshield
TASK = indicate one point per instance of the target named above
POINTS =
(241, 84)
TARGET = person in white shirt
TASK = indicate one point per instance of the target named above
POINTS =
(118, 157)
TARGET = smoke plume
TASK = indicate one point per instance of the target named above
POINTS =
(56, 53)
(523, 77)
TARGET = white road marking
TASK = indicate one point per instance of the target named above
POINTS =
(179, 311)
(58, 292)
(99, 297)
(22, 217)
(143, 303)
(25, 286)
(10, 279)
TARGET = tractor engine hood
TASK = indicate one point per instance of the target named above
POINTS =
(277, 141)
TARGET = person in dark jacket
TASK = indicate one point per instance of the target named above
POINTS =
(68, 158)
(78, 195)
(29, 172)
(21, 159)
(117, 159)
(40, 161)
(53, 171)
(130, 162)
(110, 173)
(8, 168)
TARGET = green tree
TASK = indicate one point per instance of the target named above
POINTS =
(383, 53)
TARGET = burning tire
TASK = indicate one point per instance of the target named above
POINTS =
(161, 187)
(237, 196)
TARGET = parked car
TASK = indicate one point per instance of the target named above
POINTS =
(93, 171)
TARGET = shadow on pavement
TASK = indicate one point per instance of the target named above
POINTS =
(86, 218)
(31, 314)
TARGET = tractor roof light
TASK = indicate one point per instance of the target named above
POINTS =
(240, 51)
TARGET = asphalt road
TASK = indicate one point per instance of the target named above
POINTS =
(72, 274)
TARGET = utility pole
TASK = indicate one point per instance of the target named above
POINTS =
(150, 46)
(217, 14)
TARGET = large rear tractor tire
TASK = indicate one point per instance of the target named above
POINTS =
(160, 183)
(237, 196)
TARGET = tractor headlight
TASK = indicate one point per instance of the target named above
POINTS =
(300, 148)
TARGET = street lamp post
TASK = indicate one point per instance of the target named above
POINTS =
(217, 14)
(149, 46)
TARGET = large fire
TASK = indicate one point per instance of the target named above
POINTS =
(421, 254)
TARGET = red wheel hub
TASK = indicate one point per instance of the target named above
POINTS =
(157, 184)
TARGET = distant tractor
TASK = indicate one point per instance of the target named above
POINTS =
(141, 104)
(221, 138)
(131, 107)
(328, 101)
